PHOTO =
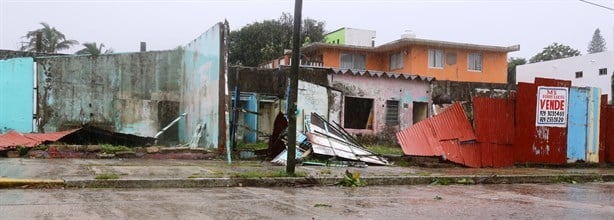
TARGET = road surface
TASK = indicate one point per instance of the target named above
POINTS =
(526, 201)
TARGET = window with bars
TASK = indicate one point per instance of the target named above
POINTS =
(392, 112)
(474, 62)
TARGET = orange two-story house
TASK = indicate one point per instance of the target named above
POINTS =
(429, 58)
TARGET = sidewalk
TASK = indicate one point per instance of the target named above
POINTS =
(145, 173)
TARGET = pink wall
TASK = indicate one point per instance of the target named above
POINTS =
(381, 89)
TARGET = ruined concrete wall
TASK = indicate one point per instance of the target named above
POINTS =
(463, 91)
(381, 89)
(133, 93)
(204, 90)
(16, 94)
(8, 54)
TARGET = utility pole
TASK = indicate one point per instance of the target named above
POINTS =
(294, 68)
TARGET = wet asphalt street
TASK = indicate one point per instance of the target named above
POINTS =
(525, 201)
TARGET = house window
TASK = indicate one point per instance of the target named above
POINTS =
(603, 71)
(353, 61)
(435, 58)
(579, 74)
(396, 61)
(392, 112)
(474, 62)
(358, 113)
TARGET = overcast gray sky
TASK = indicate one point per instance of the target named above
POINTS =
(166, 24)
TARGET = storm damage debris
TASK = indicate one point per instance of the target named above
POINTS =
(321, 139)
(332, 140)
(12, 139)
(82, 136)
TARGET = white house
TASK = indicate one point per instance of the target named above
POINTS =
(594, 70)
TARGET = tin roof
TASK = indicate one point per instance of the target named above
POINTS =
(12, 138)
(382, 74)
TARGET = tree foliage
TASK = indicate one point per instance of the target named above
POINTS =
(51, 40)
(512, 62)
(597, 44)
(259, 42)
(553, 52)
(92, 49)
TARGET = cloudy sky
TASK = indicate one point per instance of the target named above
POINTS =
(166, 24)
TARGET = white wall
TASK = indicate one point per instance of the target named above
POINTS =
(566, 69)
(358, 37)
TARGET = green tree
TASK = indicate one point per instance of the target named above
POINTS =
(92, 49)
(512, 62)
(553, 52)
(259, 42)
(47, 40)
(597, 44)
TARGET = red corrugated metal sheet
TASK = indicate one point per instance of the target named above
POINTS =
(537, 144)
(609, 148)
(420, 140)
(603, 127)
(552, 82)
(494, 120)
(502, 155)
(12, 139)
(453, 124)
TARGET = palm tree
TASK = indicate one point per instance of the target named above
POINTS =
(92, 49)
(47, 40)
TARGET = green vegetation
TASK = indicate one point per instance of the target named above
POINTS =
(22, 150)
(465, 181)
(322, 205)
(352, 180)
(258, 174)
(437, 198)
(41, 147)
(385, 149)
(325, 172)
(441, 181)
(254, 146)
(107, 176)
(111, 149)
(566, 179)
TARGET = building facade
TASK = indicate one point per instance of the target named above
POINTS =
(595, 70)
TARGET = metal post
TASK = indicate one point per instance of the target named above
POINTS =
(296, 43)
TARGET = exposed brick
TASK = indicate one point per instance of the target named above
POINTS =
(12, 154)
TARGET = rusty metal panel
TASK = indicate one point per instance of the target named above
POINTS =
(552, 82)
(603, 127)
(502, 155)
(537, 144)
(471, 153)
(453, 124)
(494, 120)
(609, 148)
(452, 151)
(486, 154)
(420, 140)
(13, 138)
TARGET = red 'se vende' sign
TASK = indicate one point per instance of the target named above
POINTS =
(552, 106)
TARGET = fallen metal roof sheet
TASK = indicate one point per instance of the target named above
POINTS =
(453, 124)
(372, 73)
(420, 140)
(13, 139)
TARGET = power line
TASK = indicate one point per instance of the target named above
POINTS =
(598, 5)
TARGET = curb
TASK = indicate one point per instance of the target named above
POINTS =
(330, 181)
(13, 182)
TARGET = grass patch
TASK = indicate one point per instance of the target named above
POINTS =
(255, 146)
(325, 172)
(352, 180)
(196, 175)
(107, 176)
(423, 173)
(279, 173)
(402, 163)
(112, 149)
(386, 149)
(466, 181)
(322, 205)
(566, 179)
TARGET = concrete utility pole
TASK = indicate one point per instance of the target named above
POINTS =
(294, 67)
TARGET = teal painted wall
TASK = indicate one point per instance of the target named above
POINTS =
(133, 93)
(16, 94)
(203, 91)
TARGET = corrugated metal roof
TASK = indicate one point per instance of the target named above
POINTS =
(453, 124)
(382, 74)
(13, 138)
(420, 140)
